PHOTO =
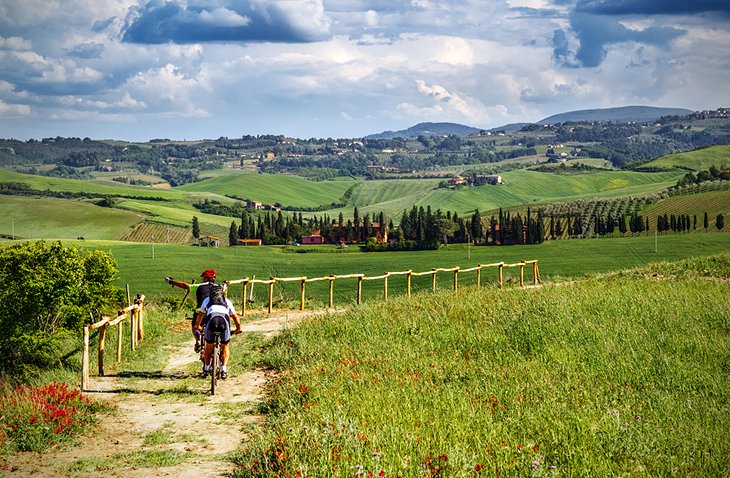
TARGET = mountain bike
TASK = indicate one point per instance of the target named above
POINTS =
(215, 362)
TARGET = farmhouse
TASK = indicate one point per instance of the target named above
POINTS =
(314, 239)
(489, 178)
(252, 205)
(456, 181)
(209, 241)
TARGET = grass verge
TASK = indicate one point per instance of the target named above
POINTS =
(621, 375)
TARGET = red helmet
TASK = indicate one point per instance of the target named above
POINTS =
(208, 275)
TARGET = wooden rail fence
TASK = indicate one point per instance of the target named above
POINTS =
(303, 281)
(136, 319)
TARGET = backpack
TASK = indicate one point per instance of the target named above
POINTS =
(217, 296)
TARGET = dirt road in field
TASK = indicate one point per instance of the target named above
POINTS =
(166, 423)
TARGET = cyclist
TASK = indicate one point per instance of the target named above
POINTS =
(202, 290)
(219, 311)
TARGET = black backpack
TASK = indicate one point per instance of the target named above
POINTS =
(217, 296)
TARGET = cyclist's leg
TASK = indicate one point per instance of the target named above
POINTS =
(225, 340)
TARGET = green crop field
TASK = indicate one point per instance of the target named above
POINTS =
(287, 190)
(698, 160)
(35, 218)
(557, 259)
(526, 187)
(95, 187)
(713, 203)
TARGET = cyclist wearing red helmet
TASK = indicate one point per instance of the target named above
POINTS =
(202, 291)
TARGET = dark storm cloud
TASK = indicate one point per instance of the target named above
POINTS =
(174, 23)
(597, 32)
(652, 7)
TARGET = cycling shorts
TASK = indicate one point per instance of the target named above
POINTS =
(218, 323)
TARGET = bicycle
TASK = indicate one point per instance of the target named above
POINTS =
(215, 362)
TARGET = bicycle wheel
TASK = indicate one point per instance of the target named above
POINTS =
(215, 367)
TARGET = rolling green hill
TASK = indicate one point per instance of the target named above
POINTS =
(293, 191)
(697, 160)
(50, 218)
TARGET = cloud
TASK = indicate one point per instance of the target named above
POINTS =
(285, 21)
(596, 32)
(14, 111)
(15, 43)
(87, 50)
(651, 7)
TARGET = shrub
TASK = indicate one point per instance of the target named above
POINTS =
(49, 292)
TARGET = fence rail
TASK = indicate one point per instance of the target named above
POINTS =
(136, 318)
(303, 281)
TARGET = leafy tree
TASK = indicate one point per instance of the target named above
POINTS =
(720, 222)
(49, 292)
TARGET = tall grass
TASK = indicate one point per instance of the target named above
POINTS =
(625, 375)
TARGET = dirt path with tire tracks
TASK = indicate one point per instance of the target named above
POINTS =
(157, 427)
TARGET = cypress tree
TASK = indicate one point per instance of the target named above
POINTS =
(196, 228)
(706, 222)
(233, 234)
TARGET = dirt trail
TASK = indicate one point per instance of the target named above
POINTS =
(161, 416)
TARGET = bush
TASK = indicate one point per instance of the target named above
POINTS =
(50, 292)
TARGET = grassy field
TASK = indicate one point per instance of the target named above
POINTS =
(601, 377)
(35, 218)
(698, 160)
(713, 203)
(557, 260)
(526, 187)
(272, 188)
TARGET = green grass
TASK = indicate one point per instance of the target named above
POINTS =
(698, 160)
(620, 376)
(271, 188)
(62, 219)
(713, 203)
(557, 260)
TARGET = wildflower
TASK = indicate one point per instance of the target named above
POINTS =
(478, 468)
(551, 467)
(376, 453)
(535, 464)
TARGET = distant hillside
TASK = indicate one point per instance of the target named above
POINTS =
(622, 114)
(697, 160)
(427, 129)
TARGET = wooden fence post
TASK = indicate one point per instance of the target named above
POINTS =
(132, 330)
(119, 340)
(359, 289)
(243, 298)
(139, 301)
(301, 293)
(501, 266)
(479, 276)
(332, 291)
(408, 283)
(534, 273)
(522, 273)
(271, 293)
(85, 361)
(433, 280)
(102, 346)
(385, 287)
(456, 278)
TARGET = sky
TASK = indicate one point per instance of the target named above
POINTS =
(136, 70)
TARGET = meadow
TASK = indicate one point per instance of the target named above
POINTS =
(624, 375)
(558, 260)
(697, 160)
